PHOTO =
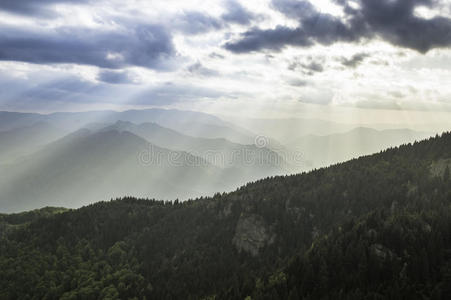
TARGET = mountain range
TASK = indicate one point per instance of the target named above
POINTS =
(217, 151)
(86, 166)
(188, 122)
(376, 227)
(124, 159)
(53, 159)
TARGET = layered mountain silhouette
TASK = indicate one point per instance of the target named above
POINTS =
(86, 166)
(187, 122)
(218, 151)
(127, 159)
(111, 157)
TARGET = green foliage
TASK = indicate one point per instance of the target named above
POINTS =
(377, 227)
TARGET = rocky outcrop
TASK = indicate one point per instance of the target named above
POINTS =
(252, 234)
(439, 167)
(227, 211)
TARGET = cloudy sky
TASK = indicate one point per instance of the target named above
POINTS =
(260, 58)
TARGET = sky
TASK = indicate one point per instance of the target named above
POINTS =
(364, 59)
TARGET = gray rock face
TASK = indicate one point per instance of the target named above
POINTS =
(252, 234)
(227, 210)
(438, 167)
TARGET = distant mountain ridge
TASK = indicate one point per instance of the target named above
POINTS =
(113, 160)
(217, 151)
(324, 150)
(188, 122)
(287, 130)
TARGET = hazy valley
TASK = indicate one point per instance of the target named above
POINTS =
(73, 159)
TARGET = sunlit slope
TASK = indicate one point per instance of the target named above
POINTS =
(17, 142)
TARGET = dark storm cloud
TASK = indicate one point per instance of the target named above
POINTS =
(392, 20)
(308, 66)
(314, 28)
(33, 7)
(355, 60)
(395, 21)
(236, 13)
(294, 9)
(147, 46)
(196, 23)
(273, 39)
(115, 77)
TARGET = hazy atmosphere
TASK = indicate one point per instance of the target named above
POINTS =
(226, 149)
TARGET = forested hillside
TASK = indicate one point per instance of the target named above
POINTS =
(377, 227)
